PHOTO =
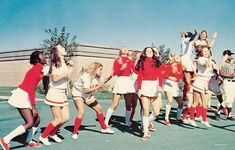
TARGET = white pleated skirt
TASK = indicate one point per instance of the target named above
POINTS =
(56, 97)
(20, 99)
(173, 88)
(77, 94)
(201, 84)
(124, 85)
(149, 88)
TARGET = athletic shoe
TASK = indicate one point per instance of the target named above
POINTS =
(4, 145)
(144, 138)
(107, 130)
(34, 144)
(75, 136)
(185, 121)
(167, 122)
(192, 122)
(151, 127)
(56, 138)
(198, 118)
(206, 123)
(44, 141)
(230, 118)
(217, 116)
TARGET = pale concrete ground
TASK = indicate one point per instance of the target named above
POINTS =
(177, 136)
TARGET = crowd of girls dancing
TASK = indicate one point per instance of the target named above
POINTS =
(189, 79)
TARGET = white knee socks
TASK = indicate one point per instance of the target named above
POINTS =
(108, 115)
(18, 131)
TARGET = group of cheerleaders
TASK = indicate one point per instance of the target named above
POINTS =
(141, 75)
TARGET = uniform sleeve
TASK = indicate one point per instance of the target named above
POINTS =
(160, 77)
(116, 67)
(133, 67)
(32, 97)
(139, 78)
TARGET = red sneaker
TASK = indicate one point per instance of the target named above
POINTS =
(144, 138)
(167, 122)
(4, 145)
(34, 144)
(151, 127)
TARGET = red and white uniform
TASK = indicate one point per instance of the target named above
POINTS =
(174, 87)
(84, 81)
(204, 74)
(150, 78)
(24, 95)
(123, 83)
(57, 93)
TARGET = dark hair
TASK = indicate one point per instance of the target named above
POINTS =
(227, 52)
(54, 57)
(34, 57)
(156, 60)
(191, 35)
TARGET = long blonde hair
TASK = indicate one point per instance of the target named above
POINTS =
(91, 68)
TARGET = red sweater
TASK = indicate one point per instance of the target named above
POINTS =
(125, 72)
(177, 74)
(150, 73)
(30, 82)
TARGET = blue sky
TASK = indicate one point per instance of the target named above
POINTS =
(113, 23)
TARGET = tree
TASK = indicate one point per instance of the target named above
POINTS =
(56, 38)
(164, 53)
(61, 38)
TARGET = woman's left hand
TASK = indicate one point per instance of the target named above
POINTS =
(35, 112)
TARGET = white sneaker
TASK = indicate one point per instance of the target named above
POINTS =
(198, 118)
(44, 141)
(107, 130)
(192, 122)
(75, 136)
(206, 123)
(56, 138)
(185, 121)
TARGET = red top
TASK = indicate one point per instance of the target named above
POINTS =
(117, 65)
(30, 82)
(177, 74)
(150, 73)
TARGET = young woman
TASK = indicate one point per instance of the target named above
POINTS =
(172, 86)
(131, 103)
(150, 81)
(23, 98)
(201, 84)
(122, 68)
(88, 82)
(202, 42)
(56, 96)
(186, 60)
